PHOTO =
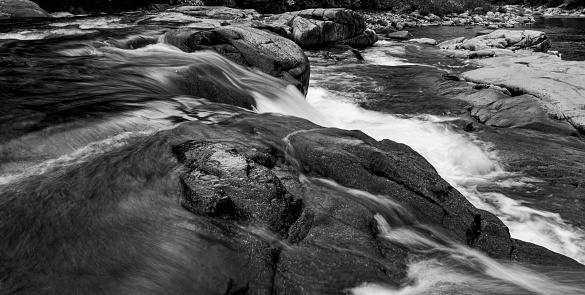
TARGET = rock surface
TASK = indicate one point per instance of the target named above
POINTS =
(312, 28)
(250, 47)
(557, 84)
(21, 9)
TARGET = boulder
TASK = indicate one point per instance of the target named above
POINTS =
(313, 28)
(21, 9)
(250, 47)
(557, 84)
(503, 39)
(495, 108)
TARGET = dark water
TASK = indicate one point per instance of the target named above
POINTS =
(88, 196)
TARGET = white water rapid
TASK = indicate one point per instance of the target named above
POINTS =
(459, 158)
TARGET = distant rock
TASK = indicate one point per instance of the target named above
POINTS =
(250, 47)
(508, 39)
(21, 9)
(313, 28)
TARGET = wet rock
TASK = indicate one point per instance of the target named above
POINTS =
(21, 9)
(390, 169)
(538, 255)
(250, 47)
(223, 183)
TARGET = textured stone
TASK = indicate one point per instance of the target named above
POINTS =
(20, 9)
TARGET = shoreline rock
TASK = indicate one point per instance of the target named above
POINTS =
(557, 84)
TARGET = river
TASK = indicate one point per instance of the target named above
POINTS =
(74, 89)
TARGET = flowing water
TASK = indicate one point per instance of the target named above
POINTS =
(72, 90)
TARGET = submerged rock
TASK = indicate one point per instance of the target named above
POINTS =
(21, 9)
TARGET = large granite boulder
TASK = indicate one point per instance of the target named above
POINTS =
(557, 84)
(501, 39)
(495, 108)
(21, 9)
(312, 28)
(250, 47)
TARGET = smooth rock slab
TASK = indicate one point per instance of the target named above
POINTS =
(559, 85)
(495, 108)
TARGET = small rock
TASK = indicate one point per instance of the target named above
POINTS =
(400, 35)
